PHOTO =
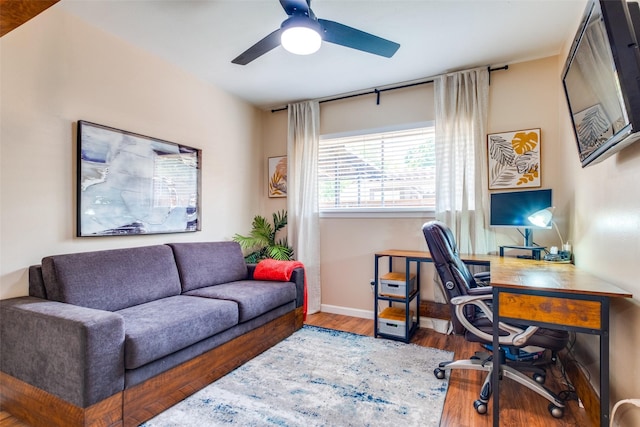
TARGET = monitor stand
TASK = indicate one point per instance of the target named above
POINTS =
(536, 251)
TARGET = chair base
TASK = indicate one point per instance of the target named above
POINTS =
(556, 406)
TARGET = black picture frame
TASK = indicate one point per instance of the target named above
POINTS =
(132, 184)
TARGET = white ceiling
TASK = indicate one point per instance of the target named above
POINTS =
(435, 37)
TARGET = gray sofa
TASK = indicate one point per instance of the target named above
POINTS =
(115, 337)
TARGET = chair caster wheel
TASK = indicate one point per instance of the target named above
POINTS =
(480, 406)
(439, 373)
(540, 379)
(556, 411)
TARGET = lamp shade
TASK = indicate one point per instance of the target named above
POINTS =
(542, 218)
(301, 35)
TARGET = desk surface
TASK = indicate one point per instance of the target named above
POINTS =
(510, 272)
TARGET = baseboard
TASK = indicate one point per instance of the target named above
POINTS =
(436, 323)
(347, 311)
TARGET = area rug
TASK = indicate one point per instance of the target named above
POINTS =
(322, 377)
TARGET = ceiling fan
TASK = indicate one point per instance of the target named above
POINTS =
(302, 23)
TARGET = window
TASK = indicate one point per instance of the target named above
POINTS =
(387, 171)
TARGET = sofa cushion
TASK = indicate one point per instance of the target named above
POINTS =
(204, 264)
(112, 280)
(254, 297)
(158, 328)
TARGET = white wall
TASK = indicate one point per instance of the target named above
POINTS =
(57, 70)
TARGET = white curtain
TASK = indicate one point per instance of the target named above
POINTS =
(303, 227)
(461, 158)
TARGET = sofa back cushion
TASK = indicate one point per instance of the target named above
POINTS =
(209, 263)
(113, 279)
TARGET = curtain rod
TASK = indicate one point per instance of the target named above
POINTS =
(379, 91)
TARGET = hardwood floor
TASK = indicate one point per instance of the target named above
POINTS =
(519, 406)
(6, 420)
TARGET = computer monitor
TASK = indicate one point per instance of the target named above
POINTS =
(512, 209)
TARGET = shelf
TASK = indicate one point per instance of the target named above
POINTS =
(399, 291)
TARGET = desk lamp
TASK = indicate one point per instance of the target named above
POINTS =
(543, 218)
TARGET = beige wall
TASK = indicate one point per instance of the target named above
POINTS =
(597, 209)
(525, 96)
(604, 219)
(348, 245)
(57, 70)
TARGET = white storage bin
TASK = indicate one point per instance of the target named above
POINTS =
(394, 284)
(392, 321)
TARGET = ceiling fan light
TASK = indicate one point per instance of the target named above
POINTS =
(301, 40)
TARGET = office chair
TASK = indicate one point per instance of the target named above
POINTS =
(472, 316)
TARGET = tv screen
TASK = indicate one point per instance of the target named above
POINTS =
(601, 80)
(512, 209)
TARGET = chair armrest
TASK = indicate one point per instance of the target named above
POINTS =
(515, 336)
(75, 353)
(483, 278)
(483, 290)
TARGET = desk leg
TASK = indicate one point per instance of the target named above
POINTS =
(495, 383)
(604, 364)
(375, 299)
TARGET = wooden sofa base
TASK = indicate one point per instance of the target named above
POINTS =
(145, 400)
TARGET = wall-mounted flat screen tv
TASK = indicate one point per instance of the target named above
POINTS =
(601, 79)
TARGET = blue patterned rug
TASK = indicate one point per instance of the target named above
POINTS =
(322, 377)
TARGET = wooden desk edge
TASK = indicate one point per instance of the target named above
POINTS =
(426, 255)
(506, 280)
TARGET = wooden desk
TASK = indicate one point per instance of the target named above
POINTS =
(558, 296)
(547, 294)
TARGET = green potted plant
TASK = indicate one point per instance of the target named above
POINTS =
(261, 243)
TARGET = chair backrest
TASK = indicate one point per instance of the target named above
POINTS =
(454, 274)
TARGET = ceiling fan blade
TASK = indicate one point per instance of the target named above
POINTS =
(257, 50)
(356, 39)
(296, 6)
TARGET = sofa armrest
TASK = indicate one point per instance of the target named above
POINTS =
(297, 277)
(250, 269)
(73, 352)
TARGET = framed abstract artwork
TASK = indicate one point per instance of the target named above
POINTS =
(131, 184)
(514, 159)
(277, 185)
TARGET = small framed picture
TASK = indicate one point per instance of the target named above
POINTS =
(514, 159)
(277, 184)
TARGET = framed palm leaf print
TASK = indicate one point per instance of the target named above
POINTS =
(277, 176)
(514, 159)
